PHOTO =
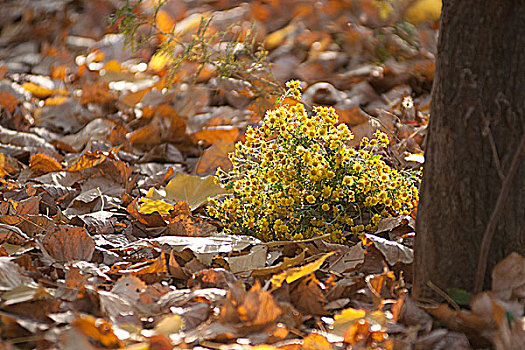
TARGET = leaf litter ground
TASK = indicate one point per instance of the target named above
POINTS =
(105, 165)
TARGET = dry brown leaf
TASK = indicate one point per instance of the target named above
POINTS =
(194, 190)
(214, 157)
(308, 297)
(97, 92)
(43, 164)
(8, 165)
(508, 277)
(8, 101)
(65, 243)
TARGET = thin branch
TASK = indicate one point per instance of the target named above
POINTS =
(444, 295)
(495, 156)
(491, 226)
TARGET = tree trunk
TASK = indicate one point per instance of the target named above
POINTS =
(476, 125)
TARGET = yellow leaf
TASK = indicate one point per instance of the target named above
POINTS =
(190, 22)
(424, 10)
(165, 23)
(148, 206)
(295, 273)
(55, 101)
(194, 190)
(113, 65)
(159, 60)
(40, 91)
(276, 38)
(169, 325)
(87, 161)
(349, 315)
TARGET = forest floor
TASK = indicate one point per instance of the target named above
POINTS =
(91, 131)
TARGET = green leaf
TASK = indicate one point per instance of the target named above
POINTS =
(460, 296)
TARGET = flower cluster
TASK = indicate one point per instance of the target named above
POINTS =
(294, 177)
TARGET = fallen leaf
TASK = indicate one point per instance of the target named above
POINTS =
(194, 190)
(423, 10)
(169, 324)
(211, 135)
(40, 91)
(392, 251)
(214, 157)
(508, 276)
(11, 275)
(296, 273)
(66, 243)
(8, 101)
(97, 330)
(43, 164)
(87, 160)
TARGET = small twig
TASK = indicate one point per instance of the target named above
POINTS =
(101, 199)
(491, 226)
(444, 295)
(495, 155)
(277, 243)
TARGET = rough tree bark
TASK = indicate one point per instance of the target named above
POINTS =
(477, 122)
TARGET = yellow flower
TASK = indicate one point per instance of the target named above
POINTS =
(295, 160)
(348, 181)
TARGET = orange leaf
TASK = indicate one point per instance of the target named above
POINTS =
(44, 164)
(165, 23)
(352, 116)
(133, 98)
(55, 101)
(113, 65)
(8, 101)
(99, 331)
(226, 133)
(150, 134)
(37, 90)
(59, 73)
(96, 93)
(158, 265)
(87, 161)
(7, 165)
(214, 157)
(316, 341)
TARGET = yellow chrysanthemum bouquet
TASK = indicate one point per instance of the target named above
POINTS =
(295, 178)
